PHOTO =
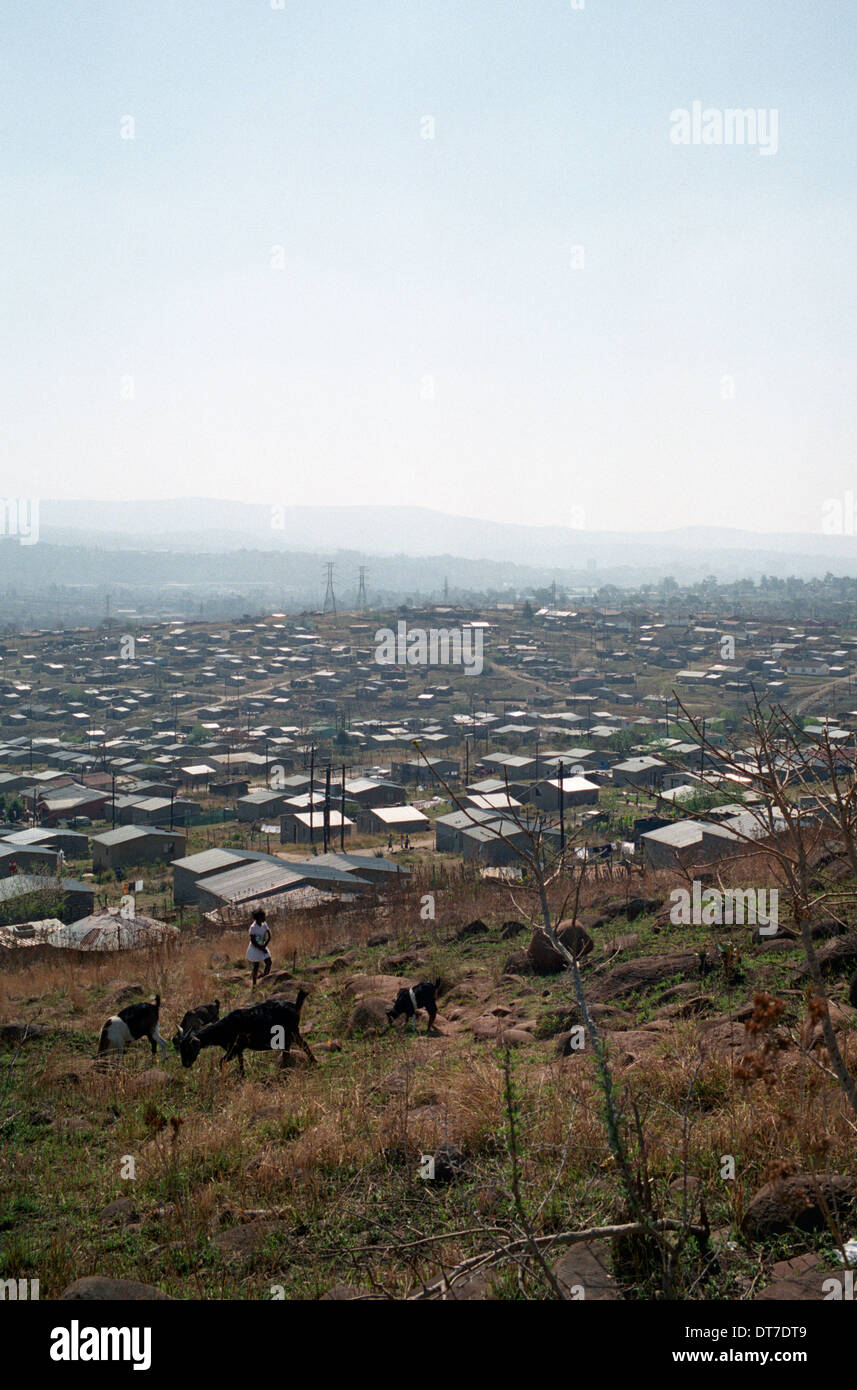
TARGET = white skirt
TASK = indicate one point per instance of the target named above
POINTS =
(256, 953)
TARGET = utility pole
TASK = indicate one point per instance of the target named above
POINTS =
(561, 811)
(311, 792)
(342, 813)
(329, 605)
(327, 808)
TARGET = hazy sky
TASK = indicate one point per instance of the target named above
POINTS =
(431, 337)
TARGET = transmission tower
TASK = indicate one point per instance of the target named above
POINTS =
(361, 592)
(330, 596)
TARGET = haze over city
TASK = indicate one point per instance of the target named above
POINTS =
(440, 255)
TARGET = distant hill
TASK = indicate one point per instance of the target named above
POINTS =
(211, 525)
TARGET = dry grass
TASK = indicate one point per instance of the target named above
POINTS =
(322, 1164)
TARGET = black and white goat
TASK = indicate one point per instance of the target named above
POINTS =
(408, 1001)
(135, 1021)
(196, 1019)
(269, 1027)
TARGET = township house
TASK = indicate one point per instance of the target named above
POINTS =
(213, 877)
(135, 844)
(416, 770)
(392, 820)
(307, 827)
(367, 792)
(262, 805)
(688, 842)
(643, 772)
(576, 791)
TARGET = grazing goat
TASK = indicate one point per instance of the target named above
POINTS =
(421, 996)
(135, 1021)
(195, 1019)
(272, 1026)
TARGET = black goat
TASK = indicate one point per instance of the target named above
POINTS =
(195, 1019)
(135, 1021)
(421, 996)
(272, 1026)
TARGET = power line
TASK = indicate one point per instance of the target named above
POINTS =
(329, 597)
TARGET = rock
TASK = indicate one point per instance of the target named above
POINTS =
(518, 964)
(852, 991)
(341, 1293)
(475, 928)
(368, 1016)
(405, 960)
(685, 1008)
(564, 1040)
(812, 1034)
(448, 1162)
(332, 1045)
(822, 928)
(476, 1288)
(153, 1079)
(128, 994)
(798, 1280)
(645, 972)
(798, 1203)
(280, 977)
(513, 1037)
(96, 1288)
(374, 986)
(380, 940)
(240, 1242)
(621, 943)
(294, 1061)
(785, 1269)
(632, 908)
(631, 1044)
(587, 1266)
(834, 956)
(119, 1212)
(689, 1186)
(511, 929)
(15, 1033)
(543, 957)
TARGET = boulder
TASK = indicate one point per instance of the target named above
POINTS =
(368, 1016)
(375, 986)
(97, 1289)
(799, 1203)
(474, 928)
(798, 1280)
(128, 994)
(342, 1293)
(119, 1212)
(587, 1267)
(543, 956)
(15, 1033)
(511, 929)
(518, 963)
(646, 972)
(240, 1242)
(448, 1162)
(834, 956)
(153, 1079)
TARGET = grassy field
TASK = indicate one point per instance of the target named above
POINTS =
(300, 1179)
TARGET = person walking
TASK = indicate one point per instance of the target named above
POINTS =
(257, 952)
